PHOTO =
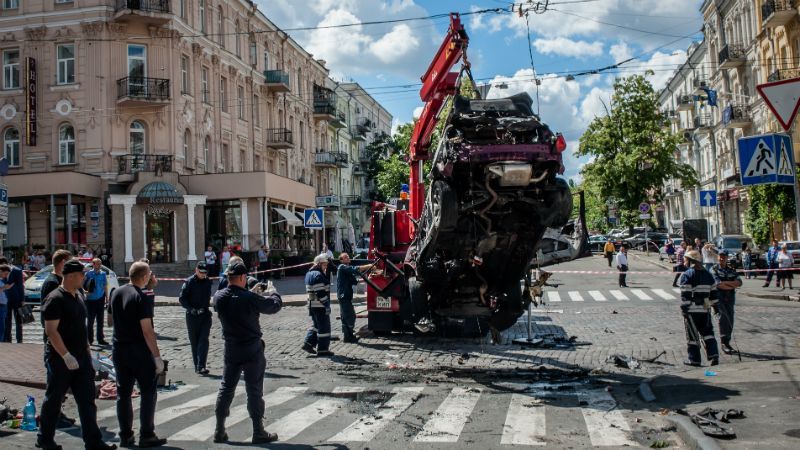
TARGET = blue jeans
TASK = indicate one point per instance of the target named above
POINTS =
(320, 333)
(3, 312)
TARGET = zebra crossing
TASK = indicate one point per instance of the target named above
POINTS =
(530, 415)
(611, 295)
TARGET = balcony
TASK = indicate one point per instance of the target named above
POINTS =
(358, 134)
(359, 171)
(365, 125)
(154, 12)
(131, 164)
(327, 201)
(702, 121)
(783, 74)
(351, 202)
(330, 159)
(700, 84)
(339, 120)
(363, 157)
(279, 138)
(685, 103)
(731, 56)
(324, 104)
(672, 116)
(735, 116)
(776, 13)
(142, 91)
(277, 80)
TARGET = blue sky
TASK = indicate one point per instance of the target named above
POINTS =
(571, 36)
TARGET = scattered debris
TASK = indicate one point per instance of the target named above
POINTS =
(711, 373)
(608, 331)
(652, 360)
(628, 362)
(669, 428)
(664, 411)
(652, 338)
(711, 420)
(614, 312)
(660, 444)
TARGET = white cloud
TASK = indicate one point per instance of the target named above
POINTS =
(395, 45)
(566, 47)
(620, 52)
(663, 66)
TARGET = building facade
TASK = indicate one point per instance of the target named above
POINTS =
(159, 127)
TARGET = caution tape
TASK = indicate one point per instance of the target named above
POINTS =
(255, 272)
(659, 272)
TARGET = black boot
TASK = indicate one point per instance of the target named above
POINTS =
(220, 436)
(260, 435)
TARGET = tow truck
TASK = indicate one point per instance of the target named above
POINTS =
(456, 261)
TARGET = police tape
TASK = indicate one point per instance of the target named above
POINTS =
(256, 272)
(659, 272)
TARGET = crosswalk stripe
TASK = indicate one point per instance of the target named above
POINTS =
(597, 295)
(663, 294)
(575, 296)
(204, 430)
(451, 416)
(553, 296)
(367, 427)
(295, 422)
(619, 295)
(525, 422)
(165, 415)
(641, 294)
(677, 290)
(108, 413)
(606, 425)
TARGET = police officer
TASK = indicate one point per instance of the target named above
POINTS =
(698, 294)
(68, 361)
(318, 288)
(194, 297)
(345, 280)
(727, 281)
(238, 310)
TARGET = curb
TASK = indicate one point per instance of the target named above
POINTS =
(691, 435)
(646, 390)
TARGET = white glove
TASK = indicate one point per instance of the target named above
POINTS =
(159, 366)
(70, 361)
(270, 290)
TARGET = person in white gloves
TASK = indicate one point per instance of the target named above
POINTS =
(136, 357)
(68, 361)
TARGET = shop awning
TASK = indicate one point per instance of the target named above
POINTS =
(290, 218)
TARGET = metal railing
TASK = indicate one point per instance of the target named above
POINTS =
(326, 108)
(735, 113)
(351, 201)
(279, 135)
(700, 83)
(770, 7)
(157, 6)
(143, 88)
(702, 120)
(783, 74)
(731, 52)
(276, 76)
(331, 158)
(132, 163)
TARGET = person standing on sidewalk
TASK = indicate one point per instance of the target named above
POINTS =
(225, 259)
(698, 294)
(195, 297)
(785, 263)
(747, 261)
(16, 299)
(239, 310)
(136, 356)
(4, 271)
(345, 281)
(211, 260)
(680, 267)
(263, 262)
(608, 251)
(772, 263)
(710, 256)
(68, 361)
(622, 265)
(728, 280)
(318, 289)
(95, 283)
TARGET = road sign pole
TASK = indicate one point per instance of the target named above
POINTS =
(796, 209)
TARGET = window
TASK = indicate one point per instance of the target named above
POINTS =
(137, 69)
(136, 138)
(66, 144)
(242, 164)
(253, 53)
(182, 8)
(204, 84)
(11, 146)
(241, 103)
(223, 94)
(302, 140)
(11, 69)
(238, 37)
(202, 8)
(77, 218)
(184, 74)
(187, 150)
(206, 150)
(221, 27)
(10, 4)
(224, 158)
(65, 62)
(266, 60)
(256, 112)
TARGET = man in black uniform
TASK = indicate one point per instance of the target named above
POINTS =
(698, 295)
(136, 357)
(54, 279)
(239, 310)
(195, 297)
(68, 361)
(727, 281)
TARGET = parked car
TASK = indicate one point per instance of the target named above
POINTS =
(793, 248)
(33, 285)
(654, 240)
(362, 248)
(732, 244)
(597, 242)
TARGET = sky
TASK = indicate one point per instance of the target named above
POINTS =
(566, 37)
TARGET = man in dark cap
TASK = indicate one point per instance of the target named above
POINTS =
(698, 295)
(68, 361)
(239, 310)
(195, 297)
(727, 281)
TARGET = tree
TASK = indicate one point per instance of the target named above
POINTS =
(769, 203)
(633, 154)
(596, 207)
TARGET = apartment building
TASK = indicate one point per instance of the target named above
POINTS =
(157, 127)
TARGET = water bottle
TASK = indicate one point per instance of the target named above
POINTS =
(29, 415)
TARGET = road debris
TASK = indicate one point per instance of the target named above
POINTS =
(711, 373)
(711, 421)
(628, 362)
(660, 444)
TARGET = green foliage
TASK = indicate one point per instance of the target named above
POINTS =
(596, 208)
(769, 203)
(633, 155)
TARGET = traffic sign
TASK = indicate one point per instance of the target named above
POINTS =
(644, 216)
(708, 198)
(766, 159)
(3, 206)
(783, 99)
(644, 207)
(314, 218)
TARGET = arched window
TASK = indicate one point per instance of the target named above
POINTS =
(66, 144)
(187, 147)
(238, 40)
(11, 146)
(136, 141)
(206, 151)
(202, 8)
(221, 27)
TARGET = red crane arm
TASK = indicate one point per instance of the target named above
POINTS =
(438, 83)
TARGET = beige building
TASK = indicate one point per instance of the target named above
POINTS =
(158, 127)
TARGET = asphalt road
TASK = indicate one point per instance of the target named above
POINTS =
(406, 391)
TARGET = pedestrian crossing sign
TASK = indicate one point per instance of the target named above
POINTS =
(766, 159)
(314, 218)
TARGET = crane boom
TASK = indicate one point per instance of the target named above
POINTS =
(438, 84)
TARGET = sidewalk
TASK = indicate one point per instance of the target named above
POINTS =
(750, 287)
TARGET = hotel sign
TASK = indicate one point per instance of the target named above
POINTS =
(30, 102)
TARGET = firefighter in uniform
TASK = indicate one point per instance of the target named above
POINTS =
(318, 288)
(727, 281)
(238, 310)
(698, 295)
